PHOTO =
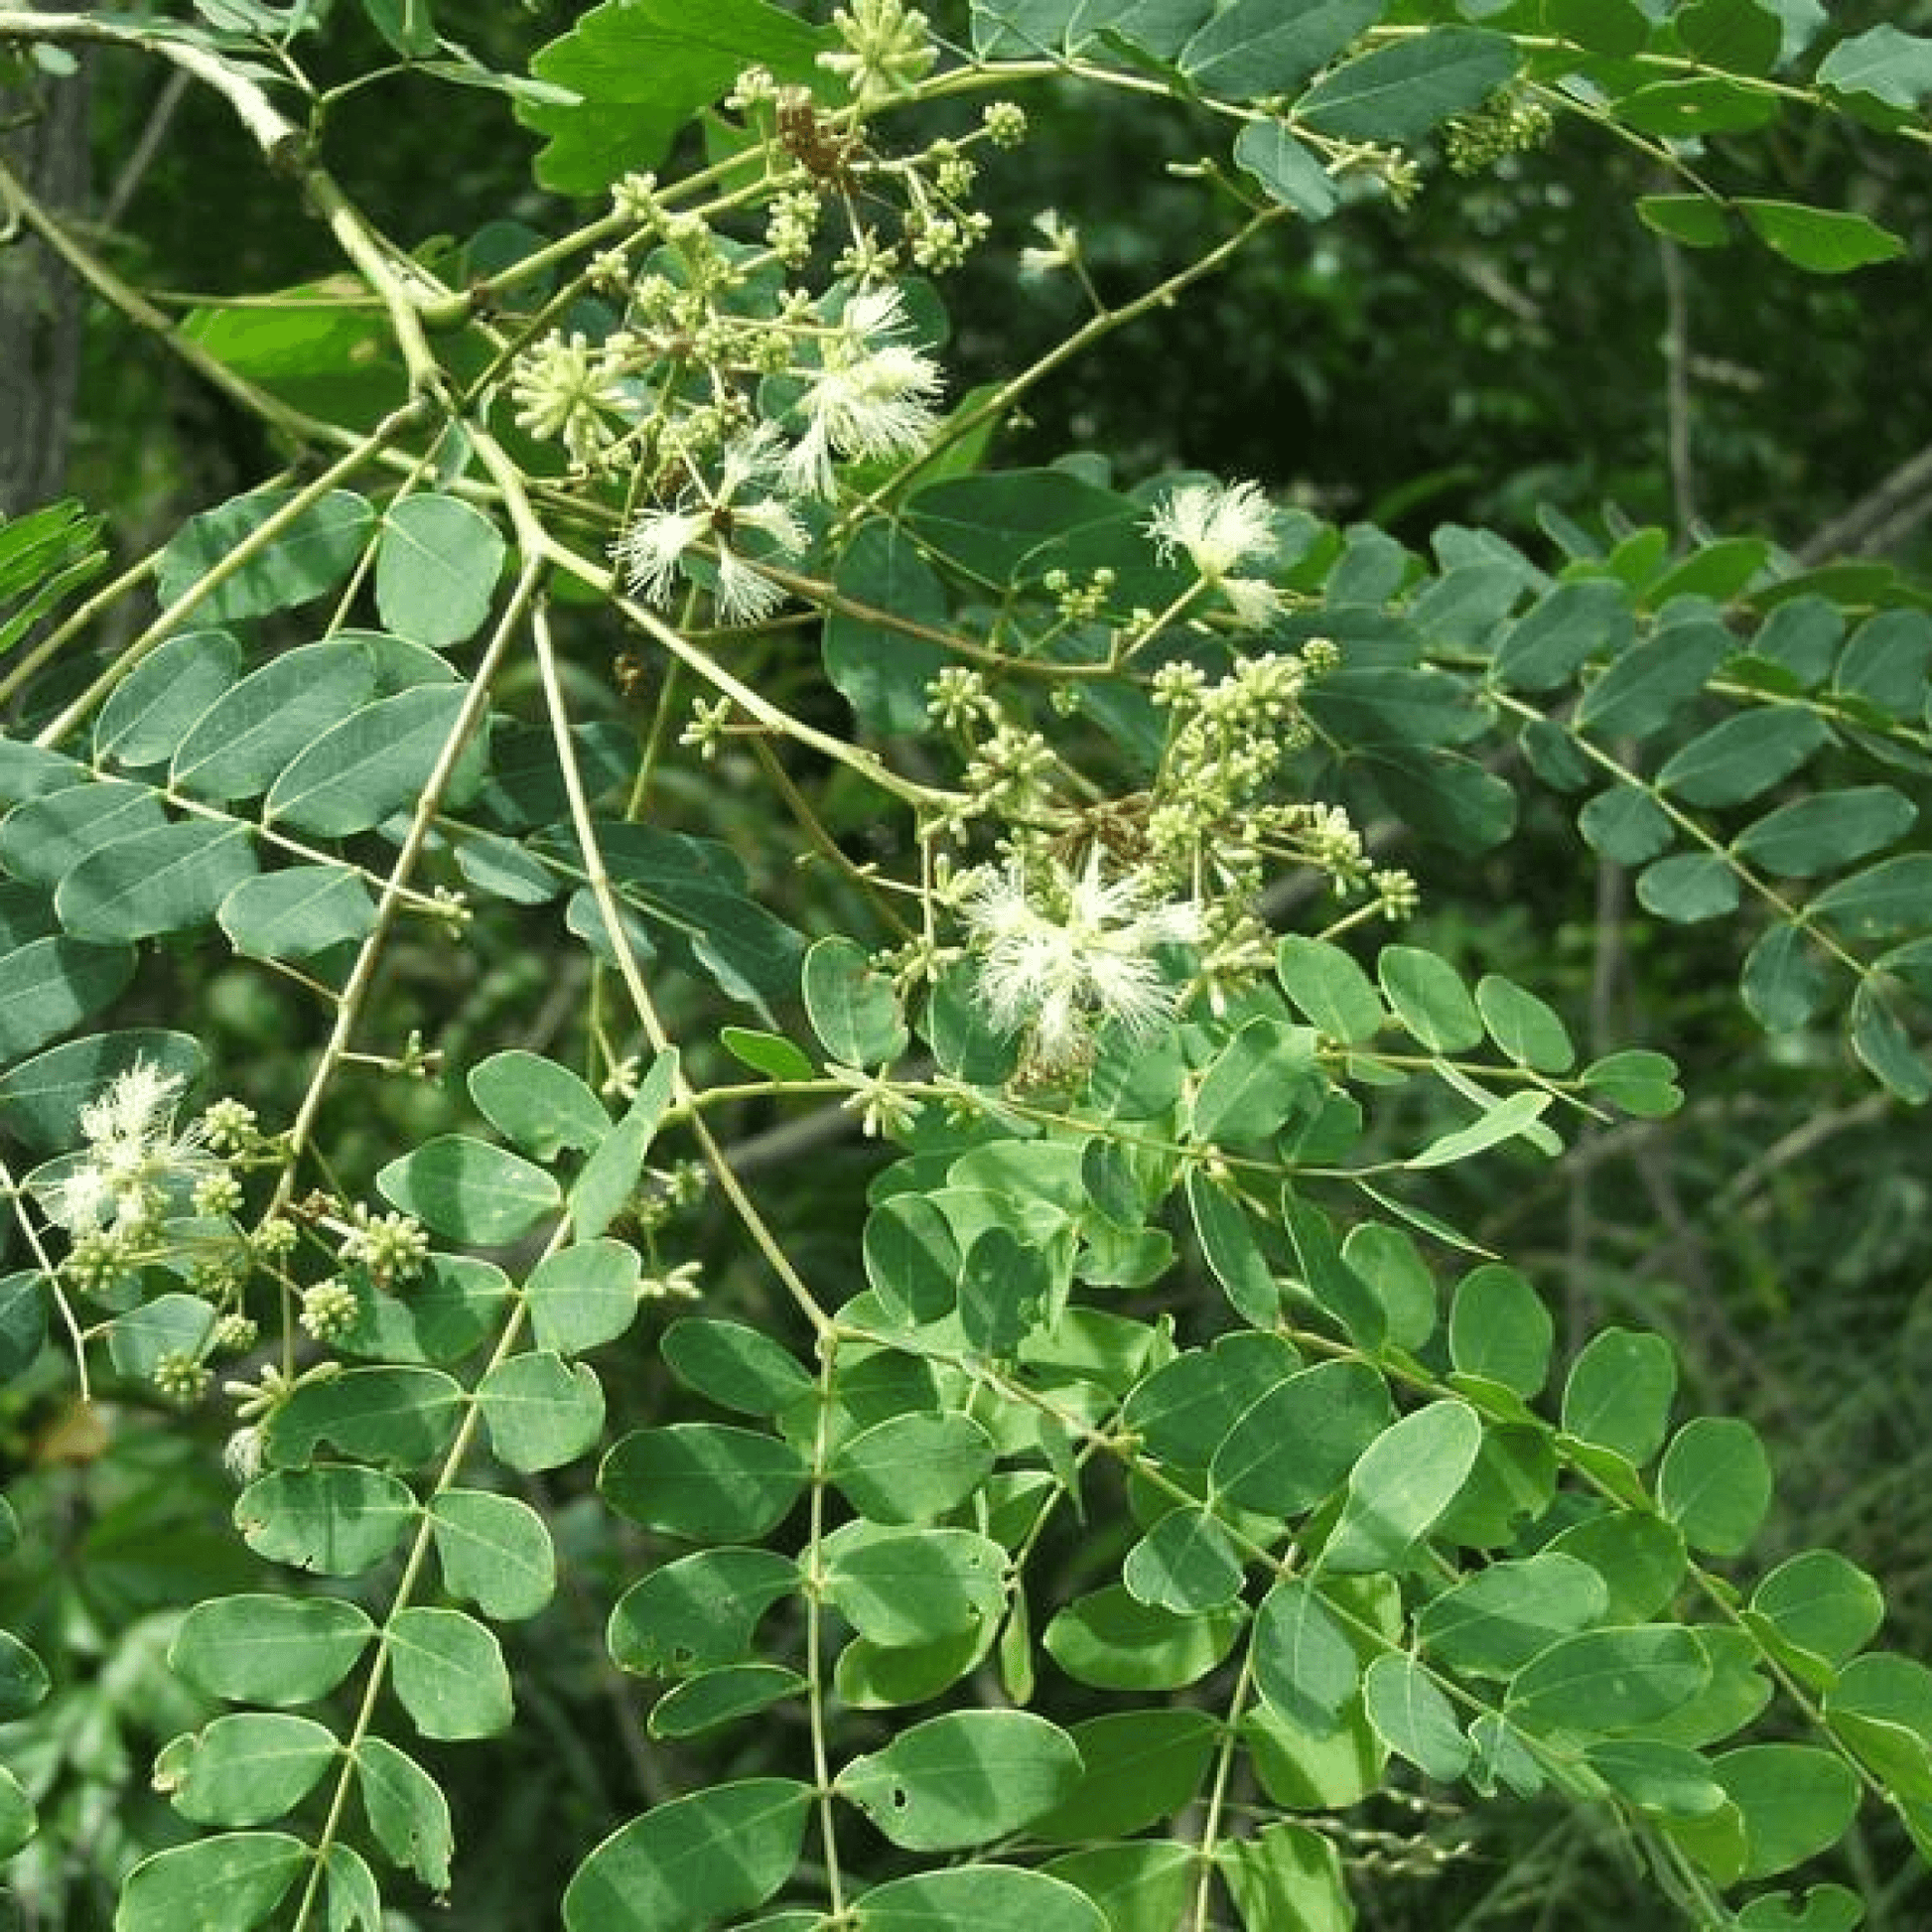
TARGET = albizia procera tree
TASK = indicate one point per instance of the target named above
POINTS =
(1138, 1476)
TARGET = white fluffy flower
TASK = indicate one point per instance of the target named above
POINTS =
(1221, 529)
(1061, 249)
(1067, 971)
(872, 395)
(136, 1103)
(652, 550)
(132, 1154)
(653, 545)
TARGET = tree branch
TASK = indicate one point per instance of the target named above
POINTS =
(1884, 514)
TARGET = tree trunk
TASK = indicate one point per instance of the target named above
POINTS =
(41, 303)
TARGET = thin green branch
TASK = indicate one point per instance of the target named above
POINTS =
(374, 946)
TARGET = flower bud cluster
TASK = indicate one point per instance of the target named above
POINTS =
(730, 397)
(666, 1193)
(329, 1310)
(140, 1194)
(888, 50)
(1507, 124)
(388, 1248)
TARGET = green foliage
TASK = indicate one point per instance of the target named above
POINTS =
(1089, 1512)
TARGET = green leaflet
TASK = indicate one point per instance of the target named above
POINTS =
(541, 1411)
(853, 1010)
(436, 562)
(912, 1469)
(618, 1157)
(308, 555)
(1400, 1485)
(1500, 1329)
(449, 1674)
(693, 1861)
(715, 1697)
(248, 1871)
(1496, 1620)
(1413, 1718)
(1820, 1605)
(964, 1778)
(1827, 241)
(297, 912)
(23, 1680)
(874, 650)
(45, 838)
(376, 761)
(249, 1768)
(1796, 1801)
(1742, 757)
(45, 555)
(1140, 1766)
(1296, 1442)
(1890, 66)
(161, 881)
(541, 1106)
(1430, 998)
(639, 71)
(153, 708)
(699, 1611)
(584, 1296)
(18, 1818)
(406, 1810)
(1306, 1667)
(1288, 1873)
(470, 1190)
(1254, 49)
(987, 526)
(1619, 1391)
(496, 1552)
(1109, 1640)
(336, 1519)
(274, 1650)
(902, 1588)
(1398, 92)
(49, 986)
(1285, 168)
(703, 1480)
(402, 1416)
(1640, 691)
(1183, 1564)
(241, 743)
(1715, 1483)
(977, 1898)
(1601, 1683)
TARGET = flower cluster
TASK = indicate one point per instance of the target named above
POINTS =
(1505, 124)
(388, 1248)
(871, 396)
(330, 1309)
(867, 394)
(119, 1186)
(1216, 814)
(731, 391)
(888, 50)
(1219, 530)
(658, 545)
(1063, 955)
(565, 390)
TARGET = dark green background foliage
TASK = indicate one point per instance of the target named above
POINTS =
(1251, 1450)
